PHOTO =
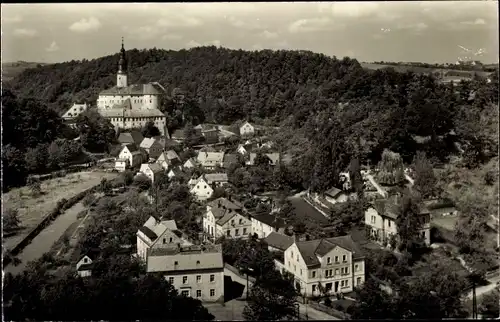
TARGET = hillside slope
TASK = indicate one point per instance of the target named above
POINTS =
(13, 69)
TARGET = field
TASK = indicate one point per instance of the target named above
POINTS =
(33, 209)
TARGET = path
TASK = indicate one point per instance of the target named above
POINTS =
(487, 288)
(46, 238)
(380, 190)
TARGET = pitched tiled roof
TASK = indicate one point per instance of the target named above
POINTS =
(309, 250)
(155, 167)
(270, 220)
(131, 147)
(333, 192)
(279, 241)
(85, 267)
(148, 232)
(171, 154)
(228, 215)
(154, 228)
(195, 257)
(178, 134)
(225, 203)
(389, 207)
(147, 143)
(205, 127)
(134, 137)
(215, 177)
(127, 112)
(135, 89)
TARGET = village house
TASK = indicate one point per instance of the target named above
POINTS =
(209, 132)
(264, 224)
(332, 265)
(168, 159)
(216, 179)
(225, 218)
(121, 165)
(70, 115)
(132, 154)
(441, 207)
(178, 135)
(381, 218)
(132, 137)
(192, 182)
(151, 170)
(335, 195)
(274, 158)
(195, 271)
(157, 234)
(247, 129)
(210, 160)
(190, 163)
(174, 173)
(84, 267)
(152, 146)
(278, 242)
(202, 190)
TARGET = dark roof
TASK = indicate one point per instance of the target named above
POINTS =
(388, 207)
(135, 89)
(134, 137)
(333, 192)
(279, 241)
(178, 134)
(270, 220)
(320, 247)
(148, 232)
(132, 147)
(224, 202)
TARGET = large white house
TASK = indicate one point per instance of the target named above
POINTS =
(131, 106)
(225, 218)
(332, 265)
(157, 234)
(75, 110)
(264, 224)
(382, 217)
(196, 271)
(131, 154)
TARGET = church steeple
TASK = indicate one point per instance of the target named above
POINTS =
(121, 79)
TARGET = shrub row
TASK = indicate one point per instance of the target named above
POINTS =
(60, 173)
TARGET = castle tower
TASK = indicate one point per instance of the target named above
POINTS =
(121, 77)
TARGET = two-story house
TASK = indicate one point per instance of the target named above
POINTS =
(131, 154)
(195, 271)
(168, 159)
(264, 224)
(202, 190)
(190, 163)
(224, 217)
(152, 146)
(381, 218)
(210, 160)
(209, 132)
(157, 233)
(216, 179)
(151, 170)
(247, 129)
(329, 265)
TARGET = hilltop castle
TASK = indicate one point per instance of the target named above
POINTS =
(131, 106)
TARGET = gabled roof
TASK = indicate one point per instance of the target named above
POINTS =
(225, 203)
(243, 124)
(207, 158)
(215, 177)
(134, 137)
(205, 127)
(176, 171)
(131, 147)
(155, 167)
(153, 228)
(178, 135)
(270, 220)
(194, 257)
(279, 241)
(147, 143)
(193, 161)
(309, 250)
(389, 207)
(228, 215)
(171, 154)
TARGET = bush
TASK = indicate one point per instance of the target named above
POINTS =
(328, 302)
(81, 214)
(89, 200)
(490, 178)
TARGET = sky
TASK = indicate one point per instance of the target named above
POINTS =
(417, 31)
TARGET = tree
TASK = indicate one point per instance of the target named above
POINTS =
(272, 297)
(409, 223)
(105, 186)
(489, 307)
(142, 182)
(373, 302)
(96, 132)
(356, 178)
(35, 187)
(14, 167)
(36, 158)
(149, 130)
(391, 170)
(10, 220)
(425, 181)
(54, 156)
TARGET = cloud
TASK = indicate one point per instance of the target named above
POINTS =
(312, 25)
(52, 48)
(354, 9)
(478, 21)
(269, 35)
(143, 32)
(86, 25)
(179, 21)
(11, 19)
(171, 37)
(416, 27)
(249, 25)
(192, 44)
(26, 33)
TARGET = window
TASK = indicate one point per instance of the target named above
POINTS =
(241, 221)
(336, 259)
(373, 219)
(328, 260)
(291, 253)
(356, 267)
(358, 281)
(232, 222)
(346, 270)
(346, 284)
(344, 258)
(198, 278)
(212, 278)
(313, 274)
(170, 239)
(212, 292)
(389, 223)
(297, 257)
(171, 280)
(205, 187)
(314, 288)
(176, 263)
(228, 232)
(301, 272)
(198, 293)
(164, 240)
(244, 231)
(326, 273)
(342, 283)
(184, 280)
(185, 293)
(197, 263)
(336, 271)
(330, 272)
(85, 260)
(294, 268)
(237, 232)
